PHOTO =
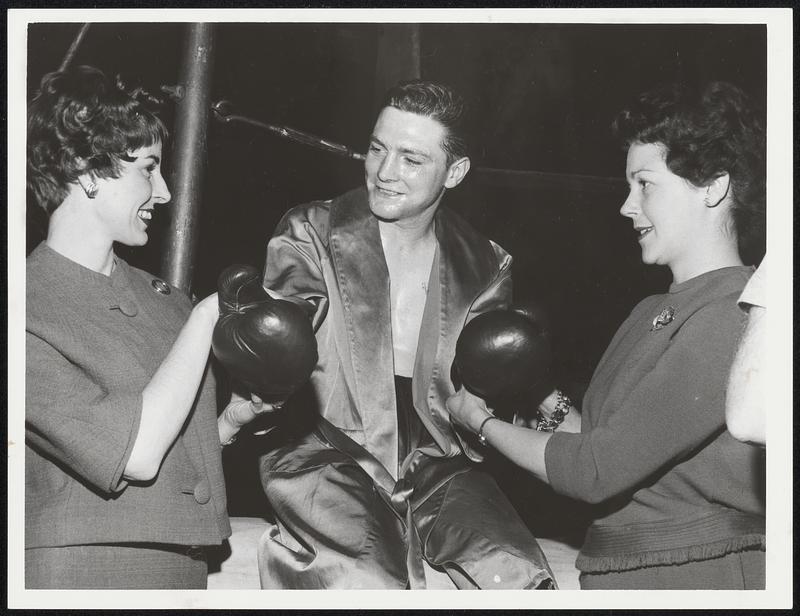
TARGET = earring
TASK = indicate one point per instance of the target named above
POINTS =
(91, 190)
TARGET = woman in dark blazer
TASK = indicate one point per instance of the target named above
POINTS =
(124, 481)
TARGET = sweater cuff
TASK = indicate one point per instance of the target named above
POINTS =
(560, 454)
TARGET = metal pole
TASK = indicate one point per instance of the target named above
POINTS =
(223, 111)
(398, 57)
(189, 155)
(73, 48)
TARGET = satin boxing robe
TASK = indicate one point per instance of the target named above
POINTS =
(347, 514)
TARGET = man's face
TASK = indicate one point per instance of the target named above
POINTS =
(406, 167)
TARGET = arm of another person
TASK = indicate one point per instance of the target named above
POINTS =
(668, 414)
(522, 445)
(158, 428)
(744, 405)
(169, 396)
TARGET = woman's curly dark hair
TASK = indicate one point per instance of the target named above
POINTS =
(80, 122)
(706, 133)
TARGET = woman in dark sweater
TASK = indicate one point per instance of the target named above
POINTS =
(123, 473)
(681, 501)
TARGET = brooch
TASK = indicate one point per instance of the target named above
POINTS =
(664, 318)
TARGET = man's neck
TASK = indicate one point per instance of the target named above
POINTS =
(408, 235)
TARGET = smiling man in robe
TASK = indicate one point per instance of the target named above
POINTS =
(380, 490)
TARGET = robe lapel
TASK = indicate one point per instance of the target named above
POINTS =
(466, 266)
(363, 280)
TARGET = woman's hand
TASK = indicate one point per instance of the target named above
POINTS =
(468, 410)
(241, 411)
(521, 445)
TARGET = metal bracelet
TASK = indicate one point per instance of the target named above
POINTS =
(563, 404)
(562, 407)
(543, 424)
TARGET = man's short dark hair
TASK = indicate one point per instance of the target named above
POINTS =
(438, 102)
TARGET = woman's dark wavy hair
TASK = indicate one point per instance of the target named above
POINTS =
(707, 133)
(82, 122)
(439, 102)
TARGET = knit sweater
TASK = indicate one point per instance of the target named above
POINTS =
(673, 484)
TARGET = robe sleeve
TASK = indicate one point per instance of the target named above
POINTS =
(293, 265)
(497, 294)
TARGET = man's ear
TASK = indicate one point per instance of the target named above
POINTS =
(457, 172)
(718, 190)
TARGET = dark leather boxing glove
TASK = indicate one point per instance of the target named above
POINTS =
(504, 356)
(267, 344)
(536, 312)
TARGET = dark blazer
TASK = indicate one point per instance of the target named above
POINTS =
(92, 344)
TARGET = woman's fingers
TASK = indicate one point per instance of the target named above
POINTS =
(259, 407)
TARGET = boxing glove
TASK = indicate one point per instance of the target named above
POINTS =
(536, 312)
(504, 357)
(268, 344)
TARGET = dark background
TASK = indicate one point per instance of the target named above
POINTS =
(544, 96)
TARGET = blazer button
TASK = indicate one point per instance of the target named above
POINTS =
(202, 492)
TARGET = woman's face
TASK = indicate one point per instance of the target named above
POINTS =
(124, 205)
(666, 210)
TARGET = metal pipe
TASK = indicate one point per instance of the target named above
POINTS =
(73, 48)
(223, 112)
(189, 155)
